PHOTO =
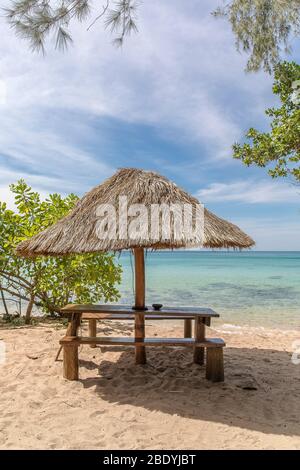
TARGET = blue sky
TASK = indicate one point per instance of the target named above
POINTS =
(174, 99)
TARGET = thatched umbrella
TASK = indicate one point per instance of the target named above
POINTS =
(76, 232)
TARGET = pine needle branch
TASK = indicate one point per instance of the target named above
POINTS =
(35, 20)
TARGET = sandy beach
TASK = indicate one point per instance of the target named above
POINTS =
(166, 404)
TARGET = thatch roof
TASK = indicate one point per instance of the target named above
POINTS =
(75, 233)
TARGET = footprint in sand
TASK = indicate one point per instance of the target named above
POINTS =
(35, 404)
(49, 393)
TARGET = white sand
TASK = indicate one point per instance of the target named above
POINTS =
(166, 404)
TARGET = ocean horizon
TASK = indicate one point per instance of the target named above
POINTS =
(247, 288)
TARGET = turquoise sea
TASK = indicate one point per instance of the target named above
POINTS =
(246, 288)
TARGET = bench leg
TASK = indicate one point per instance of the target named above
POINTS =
(70, 363)
(199, 336)
(140, 351)
(187, 328)
(215, 364)
(92, 330)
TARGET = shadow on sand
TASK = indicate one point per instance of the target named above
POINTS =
(261, 390)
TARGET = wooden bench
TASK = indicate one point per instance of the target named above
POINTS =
(214, 348)
(115, 340)
(92, 313)
(94, 317)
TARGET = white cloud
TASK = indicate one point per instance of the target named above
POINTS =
(7, 196)
(276, 233)
(2, 93)
(174, 75)
(250, 192)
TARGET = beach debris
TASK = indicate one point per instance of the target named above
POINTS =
(20, 371)
(249, 384)
(58, 354)
(32, 357)
(69, 404)
(249, 387)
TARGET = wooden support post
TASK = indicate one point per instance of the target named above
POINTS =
(199, 336)
(140, 351)
(68, 331)
(92, 330)
(215, 364)
(187, 328)
(70, 361)
(75, 323)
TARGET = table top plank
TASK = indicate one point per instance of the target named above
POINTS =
(126, 310)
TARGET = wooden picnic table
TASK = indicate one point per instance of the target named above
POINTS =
(201, 316)
(126, 309)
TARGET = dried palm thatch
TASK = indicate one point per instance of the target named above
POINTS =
(76, 233)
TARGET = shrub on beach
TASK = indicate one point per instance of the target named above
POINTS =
(48, 282)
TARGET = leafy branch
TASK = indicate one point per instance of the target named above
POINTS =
(262, 28)
(279, 149)
(36, 20)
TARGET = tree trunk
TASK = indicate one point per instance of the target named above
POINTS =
(4, 302)
(140, 351)
(29, 310)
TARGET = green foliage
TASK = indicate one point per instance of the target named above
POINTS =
(281, 146)
(49, 282)
(35, 20)
(262, 27)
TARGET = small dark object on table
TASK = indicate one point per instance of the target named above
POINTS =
(157, 306)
